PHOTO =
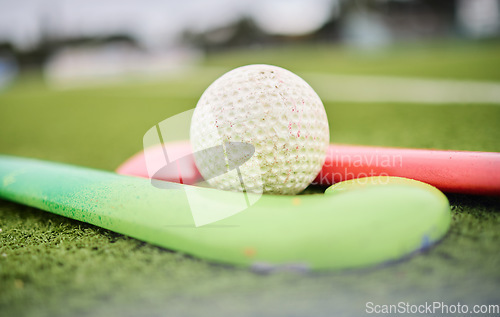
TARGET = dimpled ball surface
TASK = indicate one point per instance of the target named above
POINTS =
(274, 110)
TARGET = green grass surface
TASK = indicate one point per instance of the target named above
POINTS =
(52, 266)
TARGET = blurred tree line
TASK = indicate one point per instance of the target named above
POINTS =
(404, 19)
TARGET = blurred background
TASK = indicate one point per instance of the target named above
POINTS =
(125, 65)
(78, 39)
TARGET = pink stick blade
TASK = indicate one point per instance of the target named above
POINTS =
(451, 171)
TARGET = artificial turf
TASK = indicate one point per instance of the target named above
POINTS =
(53, 266)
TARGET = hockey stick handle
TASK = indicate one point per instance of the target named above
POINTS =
(463, 172)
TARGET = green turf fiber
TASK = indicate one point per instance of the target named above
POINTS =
(50, 265)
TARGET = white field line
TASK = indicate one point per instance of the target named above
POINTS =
(330, 87)
(402, 89)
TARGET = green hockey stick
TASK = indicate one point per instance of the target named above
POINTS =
(356, 223)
